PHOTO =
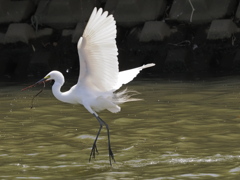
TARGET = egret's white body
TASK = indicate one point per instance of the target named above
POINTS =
(99, 74)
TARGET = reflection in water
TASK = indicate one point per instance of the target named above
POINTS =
(182, 130)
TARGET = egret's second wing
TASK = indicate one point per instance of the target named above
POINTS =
(126, 76)
(98, 52)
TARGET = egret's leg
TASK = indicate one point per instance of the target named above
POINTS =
(101, 122)
(94, 147)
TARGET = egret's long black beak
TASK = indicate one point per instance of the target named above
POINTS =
(40, 81)
(43, 80)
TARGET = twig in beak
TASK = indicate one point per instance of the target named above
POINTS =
(41, 90)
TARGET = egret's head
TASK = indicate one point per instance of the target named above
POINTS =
(53, 75)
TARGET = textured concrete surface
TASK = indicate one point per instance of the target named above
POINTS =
(201, 11)
(19, 32)
(180, 36)
(15, 11)
(154, 31)
(221, 29)
(129, 13)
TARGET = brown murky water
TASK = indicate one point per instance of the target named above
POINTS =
(182, 130)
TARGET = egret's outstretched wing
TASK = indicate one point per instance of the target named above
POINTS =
(98, 52)
(126, 76)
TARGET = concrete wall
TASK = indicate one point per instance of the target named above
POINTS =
(180, 36)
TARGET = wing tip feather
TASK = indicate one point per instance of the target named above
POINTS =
(148, 65)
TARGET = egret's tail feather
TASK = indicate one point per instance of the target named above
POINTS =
(125, 96)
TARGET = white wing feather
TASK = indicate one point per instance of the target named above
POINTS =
(125, 77)
(98, 52)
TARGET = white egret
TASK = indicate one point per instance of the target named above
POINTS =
(99, 76)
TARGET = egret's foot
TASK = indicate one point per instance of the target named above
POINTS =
(93, 152)
(111, 156)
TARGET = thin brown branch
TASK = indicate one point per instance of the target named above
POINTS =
(193, 9)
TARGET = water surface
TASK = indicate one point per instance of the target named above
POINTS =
(182, 130)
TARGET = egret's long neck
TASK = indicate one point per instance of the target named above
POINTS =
(56, 89)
